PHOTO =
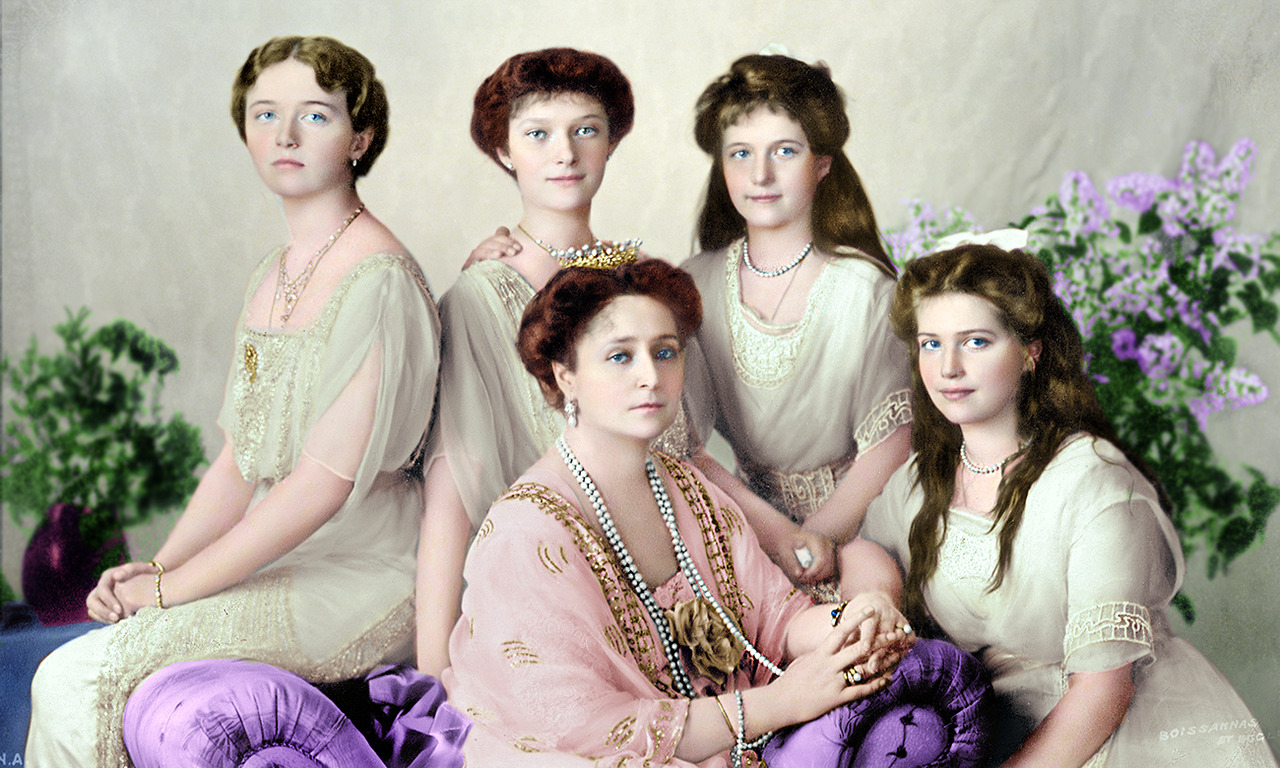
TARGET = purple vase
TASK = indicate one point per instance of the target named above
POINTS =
(59, 568)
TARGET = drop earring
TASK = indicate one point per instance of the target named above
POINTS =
(571, 412)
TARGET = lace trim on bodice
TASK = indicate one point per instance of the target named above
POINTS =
(1108, 622)
(966, 558)
(892, 412)
(764, 355)
(276, 377)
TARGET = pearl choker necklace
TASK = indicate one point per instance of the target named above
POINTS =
(599, 255)
(990, 469)
(746, 259)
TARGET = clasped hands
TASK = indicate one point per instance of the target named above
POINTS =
(121, 591)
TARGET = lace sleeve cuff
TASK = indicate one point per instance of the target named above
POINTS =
(1107, 623)
(891, 413)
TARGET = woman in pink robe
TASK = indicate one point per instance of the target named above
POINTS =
(556, 657)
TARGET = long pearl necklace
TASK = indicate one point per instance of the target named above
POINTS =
(291, 290)
(679, 675)
(746, 259)
(669, 646)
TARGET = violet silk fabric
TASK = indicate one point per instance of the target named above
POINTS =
(237, 714)
(933, 714)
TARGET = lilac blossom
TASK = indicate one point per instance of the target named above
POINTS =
(1086, 210)
(1138, 190)
(1160, 355)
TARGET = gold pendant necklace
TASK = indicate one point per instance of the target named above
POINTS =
(289, 291)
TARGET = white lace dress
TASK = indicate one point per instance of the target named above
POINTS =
(1094, 567)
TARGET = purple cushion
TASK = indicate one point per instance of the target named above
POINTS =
(224, 712)
(933, 713)
(228, 713)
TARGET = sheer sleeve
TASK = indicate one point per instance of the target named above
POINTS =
(884, 392)
(376, 384)
(493, 421)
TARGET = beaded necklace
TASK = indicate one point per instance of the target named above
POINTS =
(600, 255)
(679, 675)
(746, 260)
(291, 289)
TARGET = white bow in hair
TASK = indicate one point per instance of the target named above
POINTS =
(1008, 239)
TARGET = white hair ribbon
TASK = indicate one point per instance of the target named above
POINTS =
(1008, 239)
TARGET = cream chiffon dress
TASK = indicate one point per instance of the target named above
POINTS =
(798, 402)
(339, 604)
(1095, 565)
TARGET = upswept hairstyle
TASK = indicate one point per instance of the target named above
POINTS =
(559, 314)
(337, 66)
(1055, 400)
(545, 73)
(842, 214)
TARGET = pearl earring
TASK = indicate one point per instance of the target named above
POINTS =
(571, 412)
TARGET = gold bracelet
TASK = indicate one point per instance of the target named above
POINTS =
(732, 732)
(159, 572)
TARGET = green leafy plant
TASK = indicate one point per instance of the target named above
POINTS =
(87, 430)
(1153, 280)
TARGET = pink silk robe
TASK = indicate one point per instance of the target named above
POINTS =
(556, 659)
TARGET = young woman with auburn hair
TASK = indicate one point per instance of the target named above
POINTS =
(810, 386)
(297, 547)
(550, 119)
(1034, 538)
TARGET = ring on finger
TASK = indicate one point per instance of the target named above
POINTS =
(852, 675)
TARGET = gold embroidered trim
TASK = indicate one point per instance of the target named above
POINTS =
(553, 559)
(764, 355)
(632, 621)
(518, 653)
(527, 744)
(622, 733)
(628, 612)
(892, 412)
(715, 523)
(486, 529)
(1108, 622)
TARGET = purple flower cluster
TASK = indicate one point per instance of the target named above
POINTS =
(1086, 209)
(926, 226)
(1234, 387)
(1138, 190)
(1204, 195)
(1113, 286)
